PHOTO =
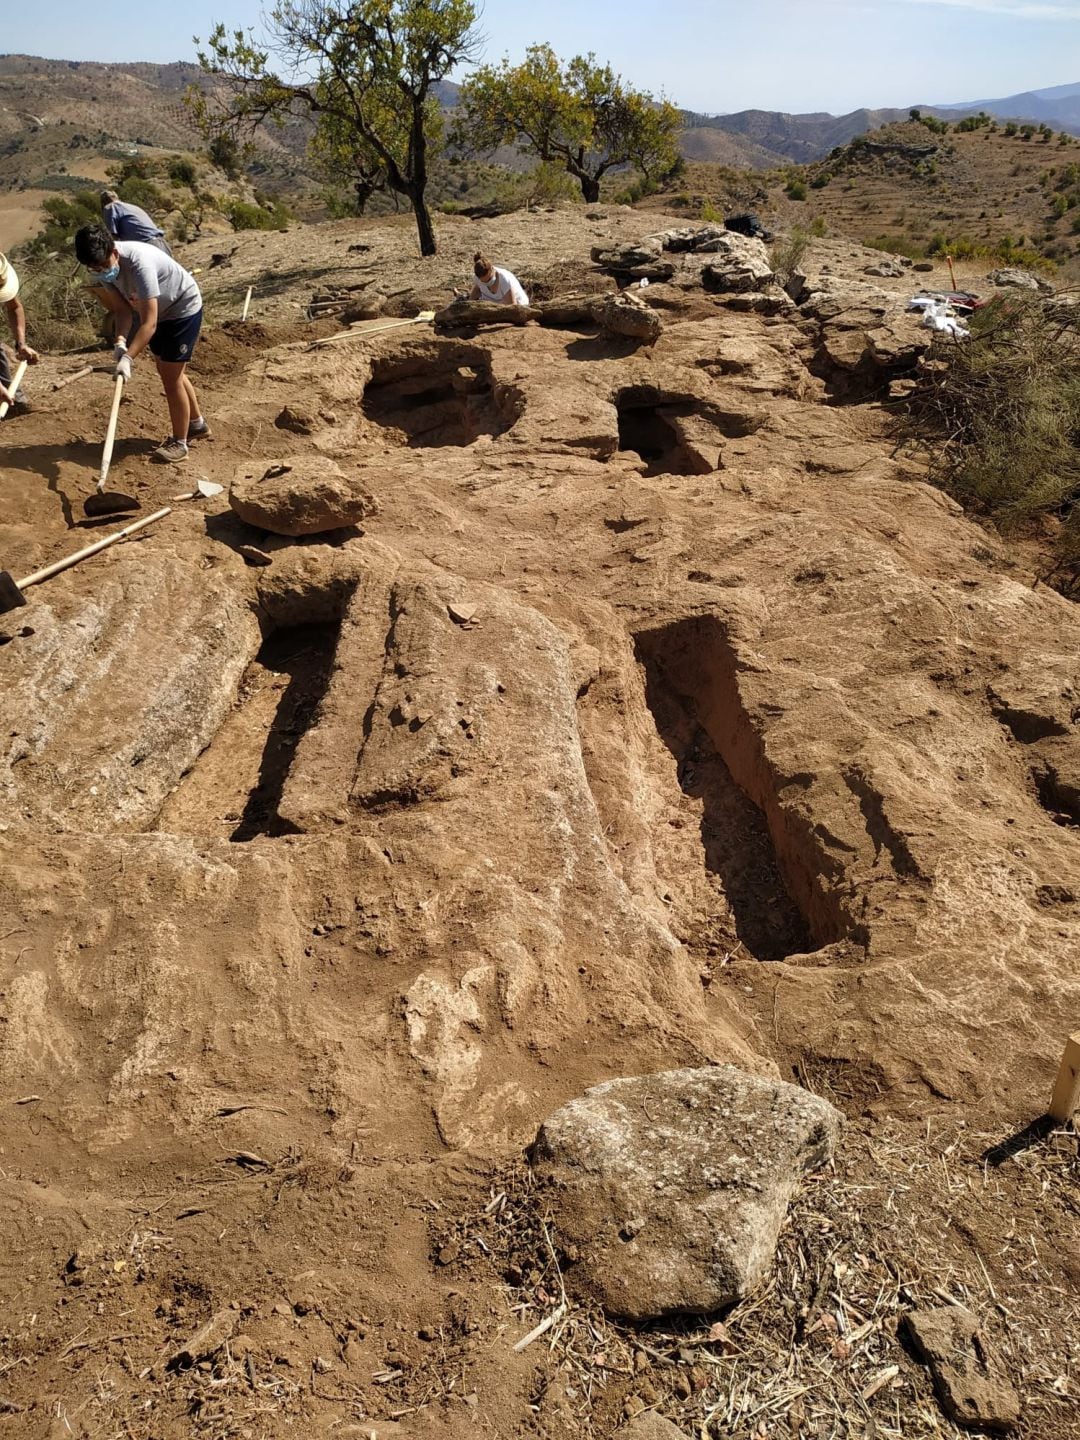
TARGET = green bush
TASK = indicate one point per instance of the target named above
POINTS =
(224, 152)
(244, 216)
(62, 218)
(711, 215)
(182, 172)
(787, 255)
(795, 190)
(898, 245)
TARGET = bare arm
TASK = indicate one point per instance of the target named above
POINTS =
(146, 312)
(17, 320)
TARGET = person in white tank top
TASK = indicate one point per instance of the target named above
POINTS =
(492, 283)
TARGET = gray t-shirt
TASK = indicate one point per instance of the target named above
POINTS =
(129, 222)
(147, 273)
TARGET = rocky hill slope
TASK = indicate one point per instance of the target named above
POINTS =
(656, 715)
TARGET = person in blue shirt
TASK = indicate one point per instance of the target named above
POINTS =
(130, 222)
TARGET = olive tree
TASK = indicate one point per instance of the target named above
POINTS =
(363, 72)
(581, 116)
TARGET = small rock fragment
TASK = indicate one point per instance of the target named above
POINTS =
(254, 556)
(206, 1342)
(651, 1426)
(299, 422)
(970, 1378)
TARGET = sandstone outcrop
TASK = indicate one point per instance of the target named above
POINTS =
(661, 717)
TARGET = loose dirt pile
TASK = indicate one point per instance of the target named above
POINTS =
(659, 717)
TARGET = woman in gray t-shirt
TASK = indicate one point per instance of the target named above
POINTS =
(158, 308)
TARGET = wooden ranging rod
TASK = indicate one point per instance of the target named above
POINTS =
(1065, 1100)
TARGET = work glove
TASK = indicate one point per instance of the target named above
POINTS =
(123, 367)
(31, 357)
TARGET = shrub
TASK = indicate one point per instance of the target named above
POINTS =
(62, 218)
(818, 226)
(224, 152)
(182, 172)
(244, 216)
(898, 245)
(61, 314)
(1003, 417)
(795, 190)
(711, 215)
(787, 255)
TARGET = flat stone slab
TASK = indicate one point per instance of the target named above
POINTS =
(969, 1376)
(673, 1187)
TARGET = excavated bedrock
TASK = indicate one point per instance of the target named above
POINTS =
(661, 718)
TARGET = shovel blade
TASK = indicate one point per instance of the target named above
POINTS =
(108, 502)
(10, 595)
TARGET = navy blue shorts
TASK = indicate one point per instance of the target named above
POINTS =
(174, 340)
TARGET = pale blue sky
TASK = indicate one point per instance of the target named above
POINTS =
(713, 55)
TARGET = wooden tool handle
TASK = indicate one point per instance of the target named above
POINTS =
(70, 379)
(110, 434)
(20, 371)
(70, 560)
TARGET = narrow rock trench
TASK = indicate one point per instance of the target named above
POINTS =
(235, 787)
(440, 403)
(686, 681)
(646, 429)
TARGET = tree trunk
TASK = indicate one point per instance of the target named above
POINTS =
(590, 189)
(424, 228)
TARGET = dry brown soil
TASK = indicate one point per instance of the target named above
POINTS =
(317, 899)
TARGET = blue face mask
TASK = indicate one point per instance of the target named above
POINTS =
(104, 277)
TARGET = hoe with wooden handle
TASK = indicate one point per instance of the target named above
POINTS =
(11, 590)
(110, 502)
(20, 371)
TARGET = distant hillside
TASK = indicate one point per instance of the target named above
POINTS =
(801, 138)
(806, 138)
(1058, 106)
(52, 109)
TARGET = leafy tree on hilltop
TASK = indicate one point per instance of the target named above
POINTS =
(581, 116)
(364, 73)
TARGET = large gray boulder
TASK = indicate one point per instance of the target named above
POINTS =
(628, 256)
(672, 1188)
(301, 495)
(741, 264)
(625, 314)
(1010, 276)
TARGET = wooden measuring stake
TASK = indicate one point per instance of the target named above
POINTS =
(247, 303)
(16, 381)
(952, 272)
(1066, 1097)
